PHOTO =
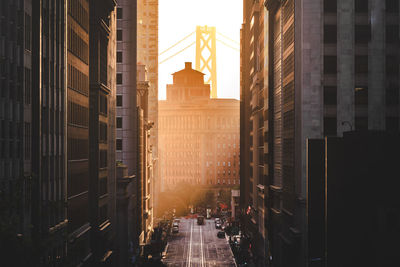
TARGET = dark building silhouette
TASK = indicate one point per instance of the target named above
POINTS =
(63, 197)
(352, 209)
(33, 134)
(309, 69)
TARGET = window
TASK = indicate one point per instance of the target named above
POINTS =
(330, 65)
(27, 86)
(27, 140)
(392, 96)
(119, 12)
(119, 35)
(103, 104)
(103, 132)
(103, 186)
(361, 6)
(119, 78)
(330, 34)
(119, 122)
(329, 126)
(330, 95)
(361, 64)
(28, 30)
(119, 100)
(103, 159)
(119, 144)
(119, 56)
(362, 34)
(392, 33)
(392, 6)
(361, 95)
(392, 65)
(330, 6)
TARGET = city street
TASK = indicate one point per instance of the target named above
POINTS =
(198, 245)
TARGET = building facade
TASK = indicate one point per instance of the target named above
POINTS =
(78, 131)
(254, 129)
(199, 136)
(147, 54)
(33, 133)
(328, 67)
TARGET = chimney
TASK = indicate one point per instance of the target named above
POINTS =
(188, 65)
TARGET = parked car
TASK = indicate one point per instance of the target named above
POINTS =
(218, 225)
(221, 234)
(175, 229)
(175, 224)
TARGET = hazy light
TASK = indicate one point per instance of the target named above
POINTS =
(178, 18)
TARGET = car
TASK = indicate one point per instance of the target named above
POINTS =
(217, 220)
(175, 229)
(177, 220)
(200, 220)
(218, 225)
(175, 224)
(221, 234)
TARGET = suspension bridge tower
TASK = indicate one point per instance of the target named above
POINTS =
(206, 55)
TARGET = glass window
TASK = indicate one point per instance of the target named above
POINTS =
(119, 12)
(119, 35)
(119, 122)
(119, 56)
(119, 144)
(119, 100)
(330, 34)
(119, 78)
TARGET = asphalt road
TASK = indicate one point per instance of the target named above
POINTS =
(198, 246)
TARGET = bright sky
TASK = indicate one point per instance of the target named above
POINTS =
(178, 18)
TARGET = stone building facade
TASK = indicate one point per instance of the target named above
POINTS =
(147, 54)
(199, 136)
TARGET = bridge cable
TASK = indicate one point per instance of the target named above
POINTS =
(168, 58)
(169, 48)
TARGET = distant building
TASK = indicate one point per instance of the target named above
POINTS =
(199, 136)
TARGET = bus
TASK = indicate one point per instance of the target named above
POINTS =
(200, 220)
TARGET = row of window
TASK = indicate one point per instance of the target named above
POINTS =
(362, 34)
(78, 149)
(79, 13)
(78, 115)
(77, 80)
(78, 46)
(361, 6)
(361, 64)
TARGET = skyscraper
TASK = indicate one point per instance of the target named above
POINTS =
(33, 105)
(147, 54)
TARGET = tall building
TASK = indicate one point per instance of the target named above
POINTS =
(33, 133)
(145, 172)
(78, 131)
(199, 135)
(147, 54)
(254, 129)
(127, 133)
(329, 67)
(102, 98)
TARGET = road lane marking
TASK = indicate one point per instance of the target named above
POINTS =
(190, 244)
(201, 247)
